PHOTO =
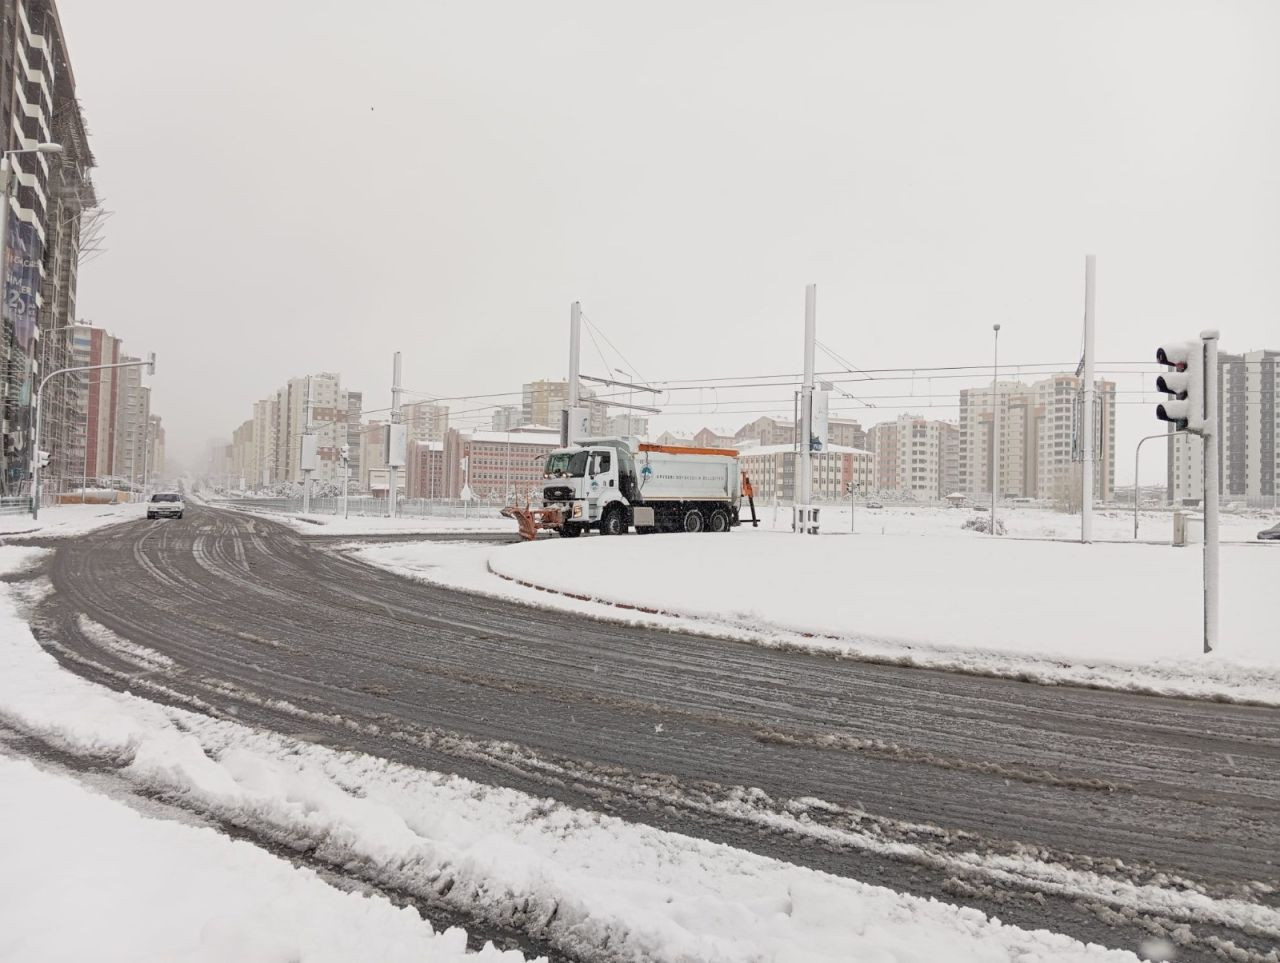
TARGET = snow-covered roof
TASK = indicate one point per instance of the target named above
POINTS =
(517, 437)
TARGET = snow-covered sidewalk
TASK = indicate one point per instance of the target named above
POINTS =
(589, 883)
(1121, 616)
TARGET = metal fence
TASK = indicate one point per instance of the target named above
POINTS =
(15, 505)
(369, 506)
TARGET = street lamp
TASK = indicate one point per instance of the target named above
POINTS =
(6, 181)
(995, 421)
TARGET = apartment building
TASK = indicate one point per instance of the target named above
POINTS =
(97, 398)
(435, 468)
(425, 420)
(916, 457)
(156, 455)
(628, 424)
(313, 404)
(766, 432)
(506, 417)
(50, 207)
(1249, 436)
(846, 433)
(1040, 438)
(133, 417)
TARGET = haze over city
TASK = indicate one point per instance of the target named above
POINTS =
(326, 188)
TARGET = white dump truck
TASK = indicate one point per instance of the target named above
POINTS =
(612, 485)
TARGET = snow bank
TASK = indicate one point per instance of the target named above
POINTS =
(1120, 616)
(88, 878)
(62, 521)
(588, 883)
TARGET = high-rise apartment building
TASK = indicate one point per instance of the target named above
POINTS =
(543, 401)
(1249, 435)
(915, 457)
(1040, 438)
(98, 396)
(264, 444)
(47, 206)
(425, 420)
(133, 419)
(317, 405)
(156, 455)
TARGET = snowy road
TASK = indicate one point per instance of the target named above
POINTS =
(1049, 807)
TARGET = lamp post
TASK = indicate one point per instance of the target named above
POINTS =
(995, 422)
(36, 456)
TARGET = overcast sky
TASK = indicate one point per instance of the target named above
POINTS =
(301, 186)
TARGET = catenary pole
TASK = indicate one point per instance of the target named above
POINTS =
(995, 422)
(1086, 432)
(575, 345)
(804, 466)
(395, 420)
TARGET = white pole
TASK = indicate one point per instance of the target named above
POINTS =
(1210, 437)
(346, 486)
(395, 420)
(995, 423)
(804, 465)
(575, 345)
(1086, 432)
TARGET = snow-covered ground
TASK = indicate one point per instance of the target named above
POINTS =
(1123, 616)
(1110, 524)
(585, 880)
(89, 878)
(60, 521)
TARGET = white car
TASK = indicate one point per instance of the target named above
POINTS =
(165, 505)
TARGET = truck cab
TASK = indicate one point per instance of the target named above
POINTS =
(594, 486)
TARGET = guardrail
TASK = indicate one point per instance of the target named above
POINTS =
(15, 505)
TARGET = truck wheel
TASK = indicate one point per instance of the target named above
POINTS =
(719, 521)
(693, 521)
(613, 523)
(570, 531)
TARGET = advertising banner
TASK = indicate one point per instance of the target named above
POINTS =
(22, 281)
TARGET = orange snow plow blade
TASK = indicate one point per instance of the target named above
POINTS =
(531, 519)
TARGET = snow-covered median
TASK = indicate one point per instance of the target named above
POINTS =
(587, 883)
(1122, 616)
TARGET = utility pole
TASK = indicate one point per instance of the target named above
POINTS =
(1086, 430)
(995, 422)
(306, 456)
(1210, 436)
(804, 466)
(575, 346)
(393, 436)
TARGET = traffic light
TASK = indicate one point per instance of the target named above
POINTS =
(1184, 383)
(43, 458)
(345, 452)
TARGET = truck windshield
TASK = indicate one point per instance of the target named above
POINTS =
(564, 464)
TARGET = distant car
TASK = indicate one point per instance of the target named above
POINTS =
(874, 505)
(165, 505)
(980, 508)
(1271, 534)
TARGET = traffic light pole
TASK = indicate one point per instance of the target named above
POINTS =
(1209, 433)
